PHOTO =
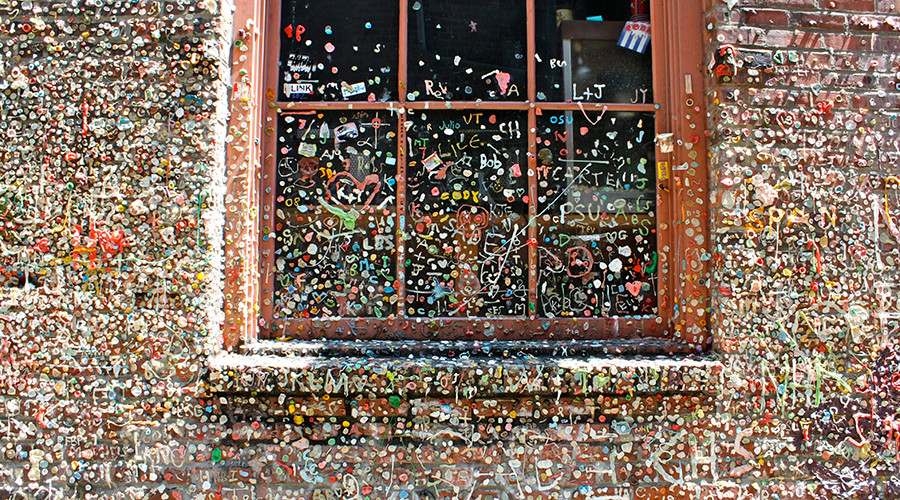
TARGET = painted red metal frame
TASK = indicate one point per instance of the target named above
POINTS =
(241, 281)
(683, 298)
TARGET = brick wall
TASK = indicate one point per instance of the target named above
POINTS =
(804, 114)
(111, 215)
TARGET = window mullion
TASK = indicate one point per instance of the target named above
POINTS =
(531, 65)
(266, 200)
(667, 202)
(531, 73)
(401, 159)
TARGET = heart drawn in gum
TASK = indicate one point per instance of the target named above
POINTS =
(344, 180)
(634, 288)
(785, 120)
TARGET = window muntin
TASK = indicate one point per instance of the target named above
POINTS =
(532, 326)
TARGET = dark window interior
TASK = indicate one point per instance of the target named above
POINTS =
(334, 54)
(466, 50)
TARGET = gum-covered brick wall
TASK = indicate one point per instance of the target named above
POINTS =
(112, 210)
(804, 165)
(111, 179)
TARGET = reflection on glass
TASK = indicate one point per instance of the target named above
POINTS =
(329, 53)
(601, 71)
(579, 58)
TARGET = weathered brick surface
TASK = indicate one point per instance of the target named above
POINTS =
(111, 233)
(816, 121)
(767, 17)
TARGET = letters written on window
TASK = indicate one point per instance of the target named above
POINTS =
(436, 173)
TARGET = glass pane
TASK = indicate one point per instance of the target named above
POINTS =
(596, 214)
(338, 51)
(467, 214)
(465, 50)
(334, 227)
(579, 57)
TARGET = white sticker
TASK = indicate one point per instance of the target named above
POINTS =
(354, 89)
(432, 162)
(298, 88)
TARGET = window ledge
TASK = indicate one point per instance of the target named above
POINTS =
(372, 369)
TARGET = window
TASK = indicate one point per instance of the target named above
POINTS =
(480, 169)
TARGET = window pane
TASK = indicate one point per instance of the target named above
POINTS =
(338, 51)
(467, 214)
(466, 50)
(335, 215)
(596, 214)
(580, 60)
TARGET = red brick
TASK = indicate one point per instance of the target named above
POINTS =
(719, 492)
(821, 21)
(602, 492)
(498, 407)
(373, 430)
(641, 473)
(793, 4)
(477, 454)
(319, 407)
(767, 17)
(323, 494)
(869, 22)
(482, 494)
(739, 36)
(724, 16)
(541, 496)
(578, 477)
(890, 45)
(784, 39)
(849, 42)
(887, 6)
(380, 407)
(173, 475)
(863, 62)
(674, 492)
(851, 5)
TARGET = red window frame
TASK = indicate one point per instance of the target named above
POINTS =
(682, 198)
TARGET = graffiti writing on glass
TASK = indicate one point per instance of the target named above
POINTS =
(596, 221)
(467, 204)
(334, 226)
